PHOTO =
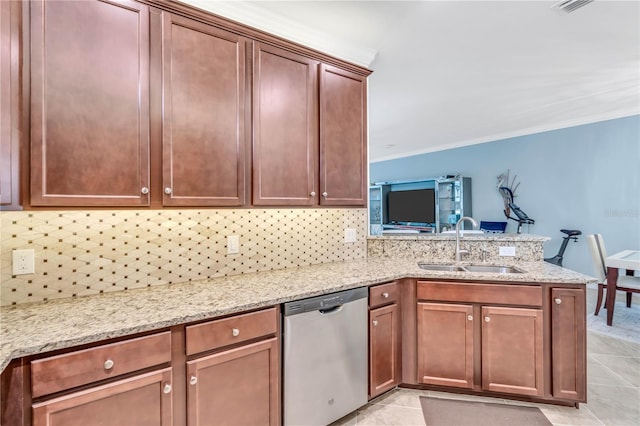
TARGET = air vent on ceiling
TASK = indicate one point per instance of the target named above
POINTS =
(571, 5)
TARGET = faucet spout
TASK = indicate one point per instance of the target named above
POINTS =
(462, 219)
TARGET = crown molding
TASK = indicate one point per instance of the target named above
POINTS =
(265, 20)
(596, 118)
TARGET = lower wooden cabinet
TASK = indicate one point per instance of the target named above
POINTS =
(568, 355)
(384, 347)
(445, 342)
(239, 386)
(223, 371)
(526, 340)
(384, 338)
(144, 399)
(512, 351)
(511, 348)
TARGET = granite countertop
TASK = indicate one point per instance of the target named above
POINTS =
(36, 328)
(467, 236)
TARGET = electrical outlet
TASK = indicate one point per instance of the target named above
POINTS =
(233, 244)
(507, 251)
(23, 262)
(350, 235)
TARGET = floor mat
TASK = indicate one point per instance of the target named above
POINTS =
(449, 412)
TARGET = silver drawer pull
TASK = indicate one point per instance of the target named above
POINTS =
(470, 317)
(167, 388)
(313, 194)
(385, 295)
(193, 380)
(108, 364)
(375, 323)
(324, 194)
(557, 300)
(235, 332)
(487, 319)
(144, 190)
(167, 190)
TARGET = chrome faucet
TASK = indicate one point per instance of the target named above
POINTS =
(458, 251)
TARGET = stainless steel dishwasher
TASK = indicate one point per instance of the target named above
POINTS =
(325, 357)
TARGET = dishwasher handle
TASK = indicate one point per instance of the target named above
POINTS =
(330, 311)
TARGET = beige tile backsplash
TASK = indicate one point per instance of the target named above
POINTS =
(80, 253)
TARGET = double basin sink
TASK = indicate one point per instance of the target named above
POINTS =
(470, 268)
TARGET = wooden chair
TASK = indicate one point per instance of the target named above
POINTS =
(628, 284)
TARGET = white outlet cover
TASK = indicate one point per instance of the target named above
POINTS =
(233, 244)
(23, 262)
(507, 251)
(350, 235)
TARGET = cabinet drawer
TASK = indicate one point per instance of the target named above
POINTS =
(78, 368)
(227, 331)
(480, 293)
(383, 294)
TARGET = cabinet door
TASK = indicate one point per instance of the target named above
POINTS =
(445, 344)
(89, 103)
(384, 349)
(285, 128)
(204, 123)
(568, 345)
(9, 102)
(343, 137)
(512, 350)
(236, 387)
(144, 399)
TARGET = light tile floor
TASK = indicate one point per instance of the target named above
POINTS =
(613, 392)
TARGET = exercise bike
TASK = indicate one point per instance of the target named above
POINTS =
(571, 234)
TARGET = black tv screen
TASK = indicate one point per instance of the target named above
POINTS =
(417, 205)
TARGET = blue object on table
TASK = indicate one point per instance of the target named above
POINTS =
(493, 227)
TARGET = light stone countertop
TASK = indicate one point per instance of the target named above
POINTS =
(452, 236)
(36, 328)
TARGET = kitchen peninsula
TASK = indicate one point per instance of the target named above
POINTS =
(31, 331)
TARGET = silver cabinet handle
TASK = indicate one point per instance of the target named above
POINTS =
(313, 193)
(167, 190)
(557, 300)
(235, 332)
(167, 388)
(144, 190)
(470, 317)
(385, 295)
(487, 319)
(375, 323)
(108, 364)
(193, 380)
(324, 194)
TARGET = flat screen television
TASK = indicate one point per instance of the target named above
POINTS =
(417, 205)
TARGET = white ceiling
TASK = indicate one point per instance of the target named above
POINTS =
(455, 73)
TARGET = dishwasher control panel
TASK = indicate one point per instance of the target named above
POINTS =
(324, 302)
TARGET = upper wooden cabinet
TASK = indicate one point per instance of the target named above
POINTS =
(343, 137)
(310, 143)
(205, 114)
(89, 103)
(285, 136)
(9, 103)
(132, 105)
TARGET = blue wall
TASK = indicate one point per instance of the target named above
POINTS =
(585, 177)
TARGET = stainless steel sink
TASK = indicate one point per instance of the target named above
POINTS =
(440, 267)
(500, 269)
(494, 269)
